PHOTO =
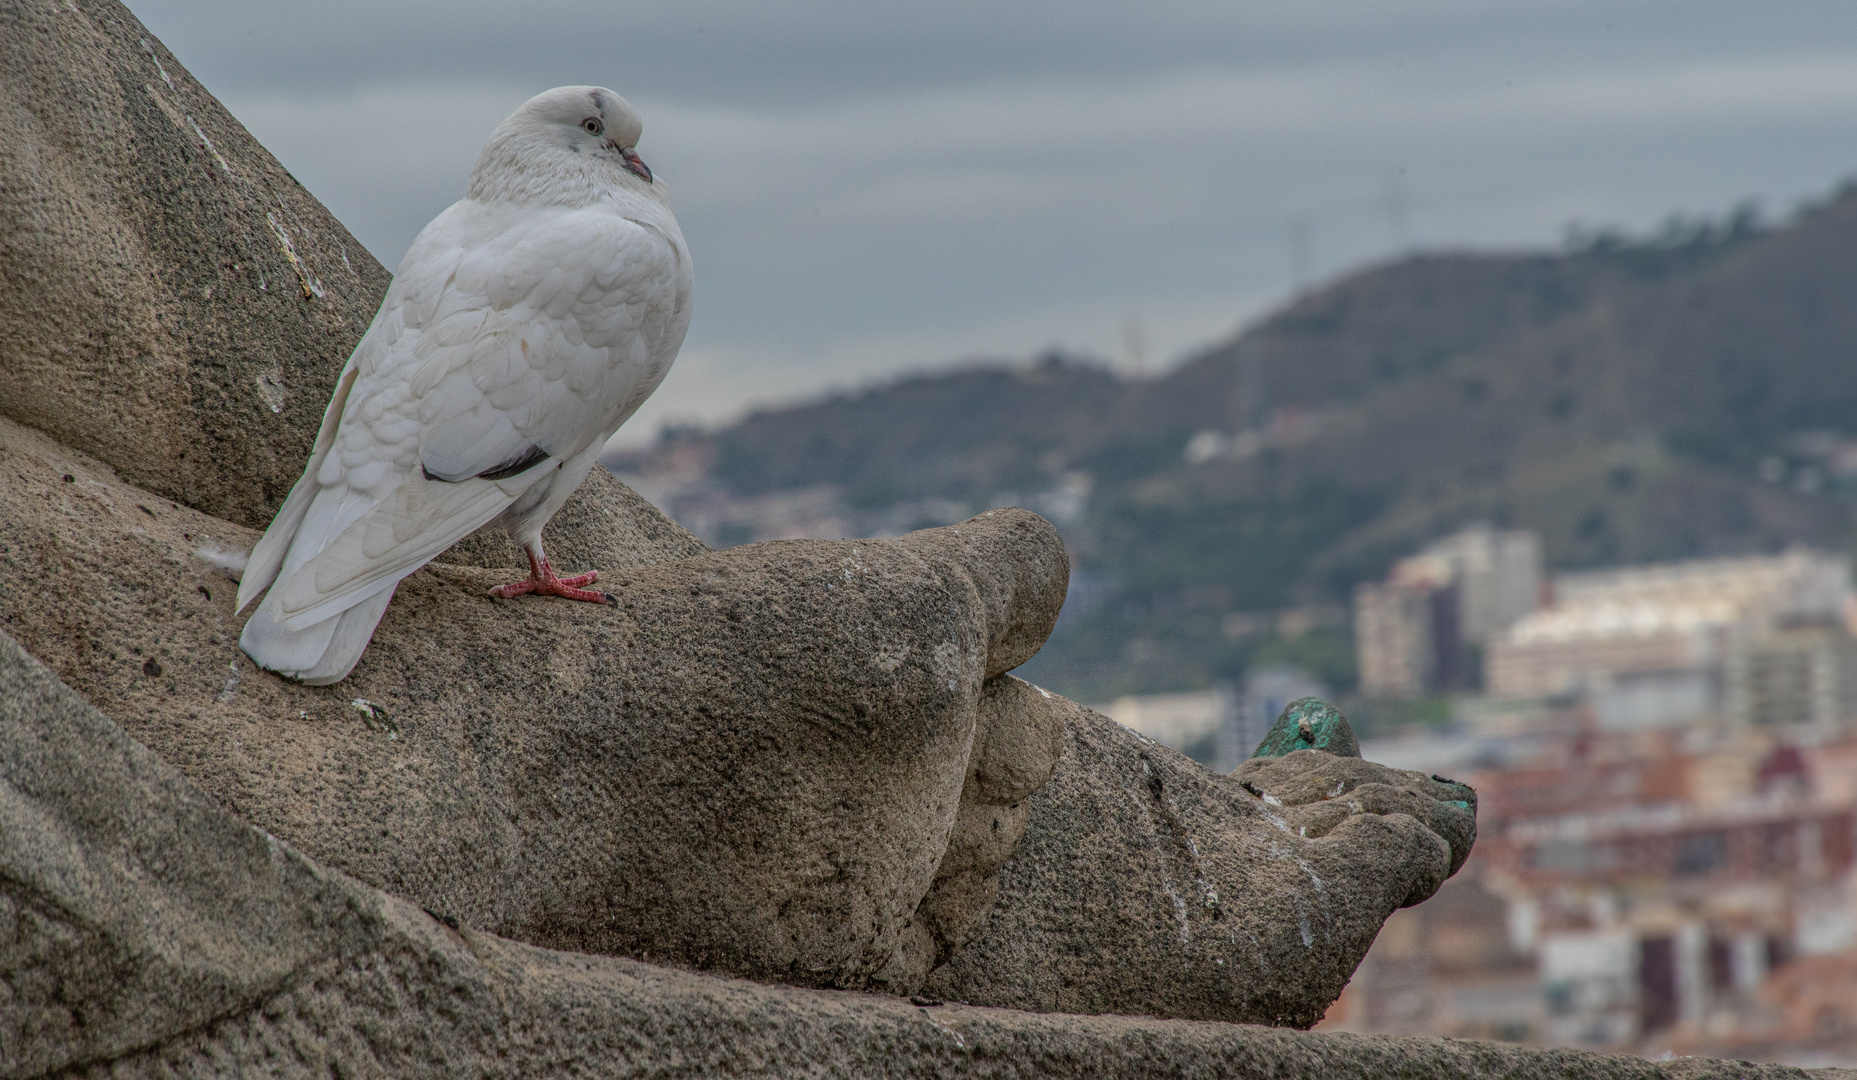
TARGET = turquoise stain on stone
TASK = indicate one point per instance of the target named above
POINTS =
(1309, 724)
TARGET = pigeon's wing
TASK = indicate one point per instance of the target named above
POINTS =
(542, 337)
(548, 335)
(261, 568)
(417, 521)
(413, 295)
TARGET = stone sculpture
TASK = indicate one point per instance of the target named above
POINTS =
(493, 847)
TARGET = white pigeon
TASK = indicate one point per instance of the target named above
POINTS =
(526, 323)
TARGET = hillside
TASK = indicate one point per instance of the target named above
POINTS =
(1632, 399)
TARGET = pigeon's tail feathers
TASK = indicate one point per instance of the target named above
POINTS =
(414, 524)
(268, 557)
(321, 611)
(319, 654)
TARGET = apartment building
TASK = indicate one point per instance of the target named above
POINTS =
(1759, 640)
(1414, 631)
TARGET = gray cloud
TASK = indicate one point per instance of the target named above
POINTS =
(874, 186)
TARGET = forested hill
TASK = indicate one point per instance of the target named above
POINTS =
(1632, 399)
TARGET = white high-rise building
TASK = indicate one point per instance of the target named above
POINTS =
(1498, 577)
(1411, 631)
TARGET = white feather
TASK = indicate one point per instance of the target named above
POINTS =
(538, 312)
(230, 563)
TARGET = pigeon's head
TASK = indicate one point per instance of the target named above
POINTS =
(575, 133)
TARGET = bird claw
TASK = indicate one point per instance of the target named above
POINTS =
(543, 582)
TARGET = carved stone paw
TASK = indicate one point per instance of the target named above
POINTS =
(1321, 794)
(1310, 765)
(1145, 884)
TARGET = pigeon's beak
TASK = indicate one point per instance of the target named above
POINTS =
(635, 164)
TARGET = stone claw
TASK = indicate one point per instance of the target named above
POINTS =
(1146, 885)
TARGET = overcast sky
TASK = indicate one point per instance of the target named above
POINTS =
(871, 187)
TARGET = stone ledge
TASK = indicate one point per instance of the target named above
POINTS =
(148, 932)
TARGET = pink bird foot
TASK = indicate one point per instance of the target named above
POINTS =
(543, 582)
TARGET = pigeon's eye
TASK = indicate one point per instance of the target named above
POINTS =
(593, 125)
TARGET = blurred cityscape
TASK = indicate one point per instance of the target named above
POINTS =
(1666, 761)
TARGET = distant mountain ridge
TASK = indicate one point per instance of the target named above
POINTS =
(1625, 398)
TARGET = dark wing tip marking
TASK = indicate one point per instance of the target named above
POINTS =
(502, 470)
(522, 462)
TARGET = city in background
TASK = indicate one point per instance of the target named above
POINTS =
(1666, 761)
